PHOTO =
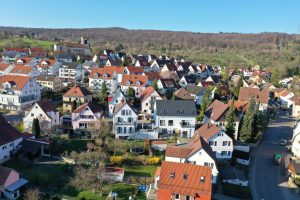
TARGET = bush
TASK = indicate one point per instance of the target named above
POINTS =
(237, 191)
(41, 179)
(117, 160)
(297, 181)
(152, 161)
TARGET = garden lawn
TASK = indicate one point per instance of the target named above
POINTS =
(70, 145)
(142, 171)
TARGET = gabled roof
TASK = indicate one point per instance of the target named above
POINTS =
(168, 83)
(183, 94)
(121, 105)
(152, 75)
(183, 108)
(19, 82)
(208, 130)
(216, 110)
(118, 69)
(8, 133)
(70, 65)
(5, 172)
(102, 73)
(146, 93)
(46, 105)
(133, 80)
(94, 108)
(194, 89)
(49, 62)
(77, 91)
(135, 70)
(24, 60)
(4, 66)
(21, 69)
(171, 67)
(162, 62)
(72, 45)
(185, 179)
(260, 96)
(115, 62)
(296, 100)
(50, 78)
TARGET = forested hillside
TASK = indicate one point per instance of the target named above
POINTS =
(269, 50)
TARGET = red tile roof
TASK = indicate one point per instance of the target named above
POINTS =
(146, 93)
(133, 69)
(18, 82)
(77, 91)
(260, 96)
(24, 60)
(94, 108)
(152, 75)
(208, 130)
(118, 69)
(49, 62)
(4, 66)
(216, 110)
(132, 80)
(186, 180)
(100, 73)
(183, 94)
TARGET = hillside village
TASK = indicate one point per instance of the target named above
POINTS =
(108, 125)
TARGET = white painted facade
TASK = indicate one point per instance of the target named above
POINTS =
(148, 103)
(70, 73)
(7, 149)
(116, 100)
(222, 146)
(95, 83)
(47, 69)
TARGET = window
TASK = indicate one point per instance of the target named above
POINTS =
(170, 123)
(211, 143)
(162, 122)
(224, 143)
(32, 114)
(177, 196)
(228, 143)
(146, 104)
(185, 176)
(187, 198)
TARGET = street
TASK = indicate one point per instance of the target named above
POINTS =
(269, 181)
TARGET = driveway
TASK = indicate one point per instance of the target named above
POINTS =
(268, 181)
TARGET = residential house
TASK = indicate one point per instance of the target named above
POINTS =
(148, 98)
(183, 181)
(169, 67)
(18, 92)
(218, 140)
(31, 62)
(49, 67)
(286, 82)
(74, 97)
(120, 72)
(86, 118)
(12, 54)
(296, 106)
(175, 116)
(182, 94)
(158, 64)
(113, 62)
(142, 62)
(114, 101)
(197, 92)
(285, 98)
(216, 114)
(187, 80)
(124, 120)
(151, 58)
(213, 78)
(269, 86)
(89, 65)
(71, 71)
(10, 140)
(152, 77)
(64, 57)
(46, 112)
(196, 152)
(5, 68)
(166, 86)
(294, 169)
(10, 183)
(36, 52)
(136, 82)
(82, 48)
(21, 70)
(133, 70)
(107, 76)
(50, 83)
(260, 96)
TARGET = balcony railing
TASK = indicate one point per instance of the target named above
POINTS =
(186, 125)
(124, 123)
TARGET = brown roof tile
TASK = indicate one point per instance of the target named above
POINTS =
(7, 133)
(132, 80)
(77, 91)
(208, 130)
(19, 82)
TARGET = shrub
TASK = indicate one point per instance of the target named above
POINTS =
(152, 160)
(117, 160)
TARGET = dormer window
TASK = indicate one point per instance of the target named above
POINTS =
(172, 175)
(185, 176)
(96, 75)
(128, 83)
(105, 75)
(138, 83)
(202, 179)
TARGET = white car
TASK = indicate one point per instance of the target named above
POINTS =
(283, 142)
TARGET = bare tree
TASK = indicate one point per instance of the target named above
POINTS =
(32, 194)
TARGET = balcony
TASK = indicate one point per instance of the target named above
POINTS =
(124, 123)
(186, 125)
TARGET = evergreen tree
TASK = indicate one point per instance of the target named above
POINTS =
(155, 85)
(248, 122)
(217, 93)
(236, 90)
(230, 128)
(104, 96)
(275, 77)
(131, 92)
(74, 105)
(36, 130)
(204, 104)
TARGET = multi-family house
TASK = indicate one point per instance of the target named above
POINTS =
(120, 72)
(31, 62)
(36, 52)
(10, 140)
(82, 48)
(46, 112)
(183, 181)
(86, 118)
(148, 98)
(114, 100)
(18, 92)
(50, 83)
(197, 92)
(175, 116)
(49, 67)
(216, 114)
(136, 82)
(107, 76)
(218, 140)
(89, 65)
(12, 54)
(124, 120)
(22, 70)
(71, 71)
(5, 68)
(261, 97)
(74, 97)
(196, 152)
(11, 184)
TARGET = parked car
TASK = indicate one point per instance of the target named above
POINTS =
(277, 159)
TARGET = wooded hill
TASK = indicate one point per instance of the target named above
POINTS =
(226, 49)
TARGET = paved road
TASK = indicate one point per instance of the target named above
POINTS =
(268, 181)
